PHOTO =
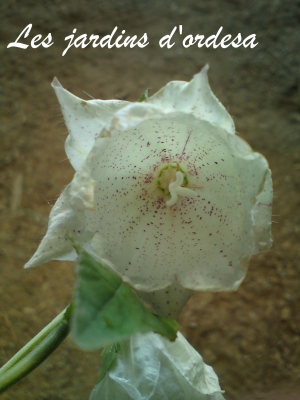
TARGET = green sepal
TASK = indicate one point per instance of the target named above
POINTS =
(144, 96)
(107, 310)
(108, 356)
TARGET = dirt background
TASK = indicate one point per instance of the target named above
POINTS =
(250, 337)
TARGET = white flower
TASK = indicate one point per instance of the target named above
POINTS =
(150, 367)
(165, 193)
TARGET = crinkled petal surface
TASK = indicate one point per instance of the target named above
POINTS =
(150, 367)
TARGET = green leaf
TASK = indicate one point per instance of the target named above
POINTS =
(144, 96)
(106, 310)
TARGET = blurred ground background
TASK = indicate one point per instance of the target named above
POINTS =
(250, 337)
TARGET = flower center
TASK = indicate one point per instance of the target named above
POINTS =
(172, 180)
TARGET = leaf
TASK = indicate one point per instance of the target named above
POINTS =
(106, 310)
(108, 356)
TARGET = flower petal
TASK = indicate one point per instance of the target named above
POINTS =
(167, 302)
(150, 367)
(85, 121)
(194, 98)
(257, 186)
(55, 245)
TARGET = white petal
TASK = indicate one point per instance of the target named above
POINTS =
(167, 302)
(85, 121)
(257, 187)
(194, 98)
(55, 245)
(205, 243)
(150, 367)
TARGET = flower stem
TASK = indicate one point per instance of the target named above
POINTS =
(35, 351)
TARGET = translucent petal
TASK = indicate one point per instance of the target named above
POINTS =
(85, 120)
(167, 302)
(150, 367)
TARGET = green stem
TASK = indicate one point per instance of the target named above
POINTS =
(36, 351)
